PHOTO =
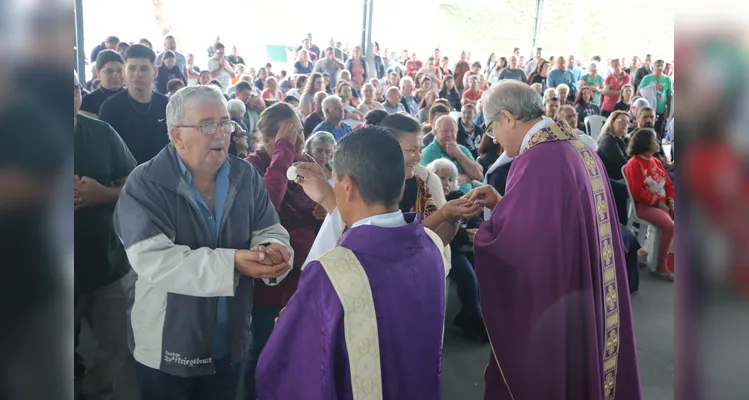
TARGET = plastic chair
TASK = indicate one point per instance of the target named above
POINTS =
(647, 234)
(593, 125)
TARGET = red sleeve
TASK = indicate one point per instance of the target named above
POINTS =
(636, 182)
(275, 176)
(627, 79)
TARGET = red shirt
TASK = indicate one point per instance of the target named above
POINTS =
(648, 180)
(412, 67)
(294, 209)
(614, 83)
(469, 96)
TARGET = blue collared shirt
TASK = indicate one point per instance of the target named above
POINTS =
(212, 219)
(339, 133)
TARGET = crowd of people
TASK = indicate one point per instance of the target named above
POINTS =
(221, 212)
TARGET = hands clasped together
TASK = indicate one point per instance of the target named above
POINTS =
(263, 261)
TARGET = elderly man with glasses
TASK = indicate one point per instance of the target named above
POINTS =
(197, 226)
(552, 248)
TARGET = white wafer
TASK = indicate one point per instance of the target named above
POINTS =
(291, 173)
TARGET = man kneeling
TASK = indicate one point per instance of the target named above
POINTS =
(366, 320)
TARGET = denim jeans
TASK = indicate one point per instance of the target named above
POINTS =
(158, 385)
(464, 276)
(263, 321)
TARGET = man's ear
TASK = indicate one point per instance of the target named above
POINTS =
(175, 134)
(352, 191)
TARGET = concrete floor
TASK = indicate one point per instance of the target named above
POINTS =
(464, 360)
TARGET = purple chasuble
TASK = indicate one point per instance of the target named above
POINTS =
(556, 306)
(306, 356)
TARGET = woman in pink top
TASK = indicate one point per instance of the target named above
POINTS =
(355, 65)
(271, 92)
(612, 87)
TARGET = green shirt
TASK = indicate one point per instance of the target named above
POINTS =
(433, 151)
(667, 89)
(100, 154)
(597, 82)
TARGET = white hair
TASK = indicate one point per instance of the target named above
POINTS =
(187, 98)
(640, 103)
(536, 86)
(406, 79)
(319, 137)
(563, 86)
(443, 164)
(327, 102)
(517, 98)
(235, 106)
(342, 72)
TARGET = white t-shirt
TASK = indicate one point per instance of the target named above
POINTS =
(223, 78)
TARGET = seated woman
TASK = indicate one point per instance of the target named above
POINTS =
(653, 192)
(427, 101)
(239, 147)
(283, 145)
(450, 93)
(585, 107)
(351, 115)
(613, 152)
(469, 318)
(625, 98)
(320, 147)
(369, 99)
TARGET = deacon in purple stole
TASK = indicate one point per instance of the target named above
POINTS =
(367, 318)
(550, 264)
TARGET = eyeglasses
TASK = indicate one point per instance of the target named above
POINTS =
(209, 128)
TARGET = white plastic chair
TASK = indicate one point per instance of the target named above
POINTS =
(593, 125)
(647, 234)
(455, 115)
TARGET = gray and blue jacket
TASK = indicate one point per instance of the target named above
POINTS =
(177, 275)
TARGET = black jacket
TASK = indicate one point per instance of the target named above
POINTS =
(460, 240)
(613, 153)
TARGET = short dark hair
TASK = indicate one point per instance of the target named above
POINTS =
(476, 64)
(375, 117)
(169, 54)
(107, 56)
(271, 117)
(399, 124)
(290, 98)
(145, 42)
(122, 46)
(301, 80)
(112, 40)
(643, 109)
(218, 46)
(173, 84)
(242, 85)
(641, 141)
(283, 72)
(659, 61)
(438, 108)
(379, 175)
(140, 51)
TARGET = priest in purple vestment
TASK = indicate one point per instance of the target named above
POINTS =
(550, 264)
(366, 320)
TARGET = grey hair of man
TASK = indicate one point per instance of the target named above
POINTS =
(236, 107)
(319, 137)
(640, 103)
(327, 102)
(187, 98)
(517, 98)
(443, 164)
(342, 73)
(643, 109)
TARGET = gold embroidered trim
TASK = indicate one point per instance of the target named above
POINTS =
(562, 131)
(351, 283)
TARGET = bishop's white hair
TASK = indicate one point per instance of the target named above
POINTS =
(512, 96)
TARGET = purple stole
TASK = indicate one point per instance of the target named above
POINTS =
(560, 131)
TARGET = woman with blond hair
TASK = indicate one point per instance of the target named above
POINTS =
(303, 65)
(625, 98)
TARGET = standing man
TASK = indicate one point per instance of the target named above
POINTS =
(575, 324)
(664, 90)
(644, 70)
(331, 65)
(234, 58)
(512, 71)
(109, 43)
(138, 114)
(577, 73)
(197, 226)
(101, 165)
(109, 64)
(219, 66)
(531, 65)
(171, 44)
(352, 323)
(562, 75)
